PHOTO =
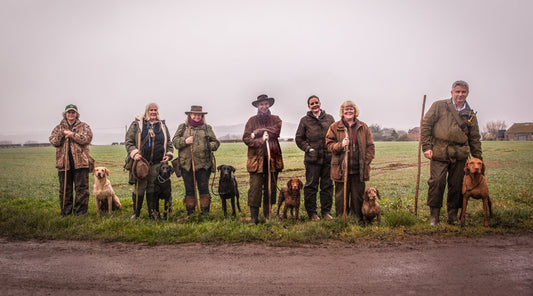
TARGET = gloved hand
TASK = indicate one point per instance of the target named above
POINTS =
(265, 136)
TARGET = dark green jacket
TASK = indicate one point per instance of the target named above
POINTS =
(311, 133)
(450, 137)
(202, 157)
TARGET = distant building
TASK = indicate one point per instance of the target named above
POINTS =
(520, 132)
(414, 133)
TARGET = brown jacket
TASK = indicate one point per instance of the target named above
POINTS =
(78, 144)
(365, 153)
(257, 148)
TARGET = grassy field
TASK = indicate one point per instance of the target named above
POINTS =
(30, 208)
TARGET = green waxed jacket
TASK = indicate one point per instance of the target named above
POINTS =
(202, 156)
(441, 132)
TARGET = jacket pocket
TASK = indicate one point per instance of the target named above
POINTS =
(311, 156)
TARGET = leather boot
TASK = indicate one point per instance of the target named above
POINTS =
(266, 212)
(434, 219)
(452, 216)
(153, 206)
(254, 213)
(190, 205)
(205, 203)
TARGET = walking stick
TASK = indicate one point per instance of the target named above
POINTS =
(419, 157)
(269, 181)
(136, 180)
(346, 151)
(194, 173)
(65, 178)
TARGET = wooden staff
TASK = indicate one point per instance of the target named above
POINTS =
(419, 156)
(137, 180)
(65, 178)
(194, 173)
(269, 180)
(345, 177)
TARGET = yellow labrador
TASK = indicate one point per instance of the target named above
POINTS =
(103, 192)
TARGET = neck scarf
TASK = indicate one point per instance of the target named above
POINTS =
(263, 117)
(194, 123)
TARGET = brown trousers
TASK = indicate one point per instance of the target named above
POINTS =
(442, 172)
(259, 189)
(79, 179)
(354, 197)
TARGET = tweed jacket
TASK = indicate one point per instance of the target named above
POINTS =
(311, 133)
(202, 156)
(442, 133)
(365, 153)
(256, 147)
(78, 144)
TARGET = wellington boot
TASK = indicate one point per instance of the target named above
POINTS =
(434, 219)
(254, 213)
(452, 216)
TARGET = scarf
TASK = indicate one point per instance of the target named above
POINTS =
(196, 123)
(264, 118)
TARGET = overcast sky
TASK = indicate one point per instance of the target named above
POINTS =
(113, 57)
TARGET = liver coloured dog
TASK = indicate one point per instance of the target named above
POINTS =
(290, 194)
(475, 186)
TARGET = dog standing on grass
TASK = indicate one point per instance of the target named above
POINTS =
(475, 186)
(227, 188)
(371, 208)
(103, 192)
(290, 194)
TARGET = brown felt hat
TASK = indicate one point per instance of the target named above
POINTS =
(195, 109)
(263, 98)
(140, 169)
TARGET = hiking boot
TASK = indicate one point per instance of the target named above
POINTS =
(327, 216)
(254, 213)
(315, 217)
(452, 216)
(434, 218)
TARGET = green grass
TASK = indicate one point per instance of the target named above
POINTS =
(29, 201)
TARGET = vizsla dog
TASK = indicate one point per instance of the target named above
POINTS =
(475, 186)
(227, 188)
(371, 208)
(290, 194)
(103, 192)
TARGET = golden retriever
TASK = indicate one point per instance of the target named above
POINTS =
(103, 192)
(475, 186)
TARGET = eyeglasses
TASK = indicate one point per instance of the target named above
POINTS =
(314, 103)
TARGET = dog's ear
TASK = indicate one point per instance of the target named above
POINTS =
(300, 184)
(232, 169)
(365, 195)
(467, 169)
(219, 167)
(107, 172)
(377, 192)
(171, 169)
(289, 183)
(483, 168)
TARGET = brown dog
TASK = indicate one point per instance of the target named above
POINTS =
(371, 208)
(103, 192)
(290, 194)
(475, 186)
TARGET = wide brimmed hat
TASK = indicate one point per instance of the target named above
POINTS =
(71, 107)
(195, 110)
(263, 98)
(140, 168)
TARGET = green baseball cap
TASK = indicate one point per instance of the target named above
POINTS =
(71, 107)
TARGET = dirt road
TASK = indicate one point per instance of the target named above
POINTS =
(495, 265)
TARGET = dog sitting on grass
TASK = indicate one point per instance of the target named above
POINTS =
(290, 194)
(104, 195)
(371, 208)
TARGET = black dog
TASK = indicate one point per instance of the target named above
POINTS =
(227, 188)
(162, 188)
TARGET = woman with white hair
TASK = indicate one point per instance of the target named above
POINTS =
(148, 138)
(352, 136)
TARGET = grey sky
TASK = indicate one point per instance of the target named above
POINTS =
(112, 57)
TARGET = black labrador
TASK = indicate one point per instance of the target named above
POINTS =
(227, 188)
(163, 189)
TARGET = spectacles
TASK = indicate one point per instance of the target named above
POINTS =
(314, 103)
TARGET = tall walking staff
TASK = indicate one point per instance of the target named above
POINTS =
(137, 180)
(67, 145)
(346, 151)
(194, 173)
(269, 180)
(419, 157)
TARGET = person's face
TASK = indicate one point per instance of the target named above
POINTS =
(71, 115)
(314, 105)
(263, 106)
(349, 113)
(459, 94)
(196, 116)
(152, 113)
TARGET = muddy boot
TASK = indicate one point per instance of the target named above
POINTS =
(205, 203)
(266, 212)
(434, 219)
(190, 205)
(254, 213)
(452, 216)
(153, 206)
